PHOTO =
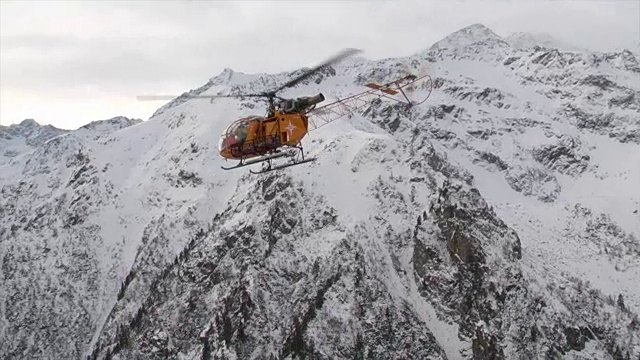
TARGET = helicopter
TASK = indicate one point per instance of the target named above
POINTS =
(257, 139)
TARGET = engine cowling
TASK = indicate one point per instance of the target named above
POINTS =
(304, 103)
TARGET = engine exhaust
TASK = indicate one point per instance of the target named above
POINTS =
(316, 99)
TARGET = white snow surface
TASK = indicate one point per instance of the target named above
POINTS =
(522, 40)
(130, 193)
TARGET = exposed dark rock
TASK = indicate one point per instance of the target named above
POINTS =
(548, 57)
(33, 133)
(491, 159)
(235, 307)
(510, 60)
(564, 157)
(439, 163)
(488, 96)
(599, 81)
(533, 182)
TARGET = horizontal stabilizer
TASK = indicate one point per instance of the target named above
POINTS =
(384, 89)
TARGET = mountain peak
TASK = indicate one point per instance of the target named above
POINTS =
(223, 77)
(29, 131)
(227, 72)
(468, 35)
(28, 123)
(478, 28)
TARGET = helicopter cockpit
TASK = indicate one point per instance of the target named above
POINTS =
(236, 133)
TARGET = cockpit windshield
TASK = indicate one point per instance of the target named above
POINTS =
(235, 133)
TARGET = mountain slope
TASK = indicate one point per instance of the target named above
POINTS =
(488, 222)
(523, 41)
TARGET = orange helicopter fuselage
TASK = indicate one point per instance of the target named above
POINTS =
(256, 136)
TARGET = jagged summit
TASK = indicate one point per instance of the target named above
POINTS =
(29, 122)
(26, 123)
(477, 30)
(481, 34)
(22, 138)
(472, 34)
(223, 77)
(28, 136)
(30, 131)
(229, 76)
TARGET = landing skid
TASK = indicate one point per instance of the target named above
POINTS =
(278, 167)
(261, 159)
(269, 166)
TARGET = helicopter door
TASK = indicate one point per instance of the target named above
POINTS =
(283, 132)
(260, 135)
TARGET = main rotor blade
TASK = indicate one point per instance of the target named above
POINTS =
(156, 97)
(171, 97)
(343, 54)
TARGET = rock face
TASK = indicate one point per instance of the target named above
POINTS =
(110, 125)
(497, 220)
(30, 131)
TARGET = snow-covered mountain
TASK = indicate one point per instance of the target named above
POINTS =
(523, 41)
(499, 219)
(27, 135)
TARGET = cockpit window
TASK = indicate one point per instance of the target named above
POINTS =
(236, 133)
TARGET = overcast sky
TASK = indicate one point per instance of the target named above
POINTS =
(67, 63)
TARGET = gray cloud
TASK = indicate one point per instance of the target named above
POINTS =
(122, 49)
